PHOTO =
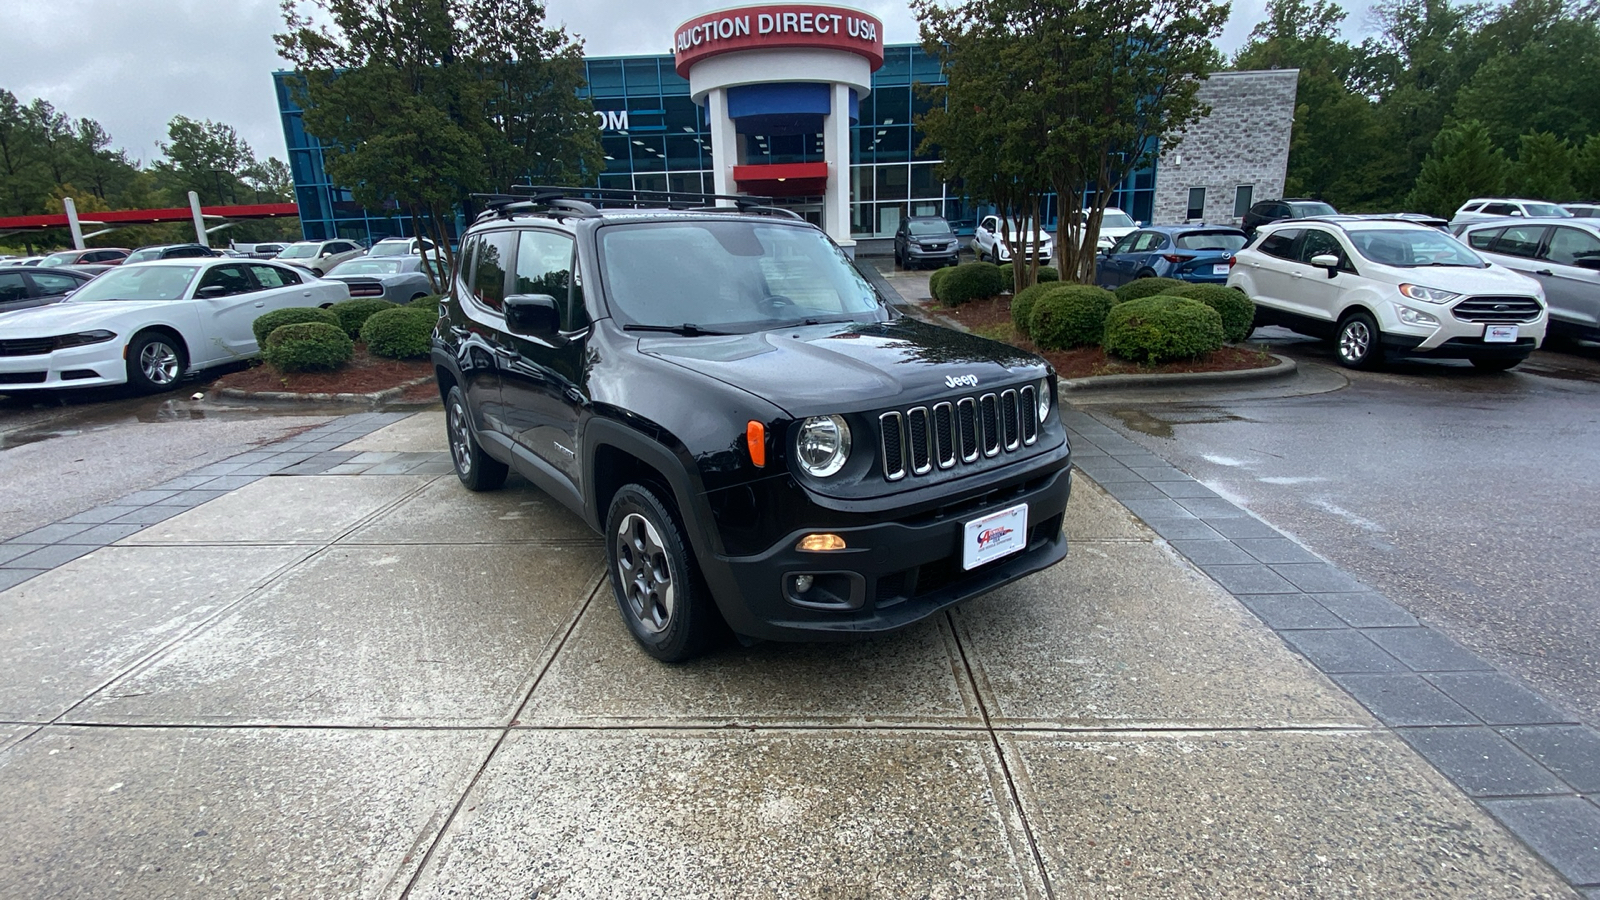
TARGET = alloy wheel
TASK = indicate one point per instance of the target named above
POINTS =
(159, 363)
(645, 574)
(460, 439)
(1355, 341)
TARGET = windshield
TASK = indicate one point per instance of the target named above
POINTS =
(730, 276)
(1410, 248)
(1211, 240)
(928, 228)
(1545, 210)
(1114, 219)
(144, 255)
(390, 248)
(1312, 208)
(138, 283)
(59, 259)
(367, 266)
(298, 251)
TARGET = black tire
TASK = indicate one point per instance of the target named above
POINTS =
(477, 470)
(1145, 273)
(654, 577)
(155, 361)
(1358, 344)
(1497, 364)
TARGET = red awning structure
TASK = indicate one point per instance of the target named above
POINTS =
(150, 216)
(783, 179)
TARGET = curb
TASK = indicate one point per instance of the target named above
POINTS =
(1284, 367)
(376, 397)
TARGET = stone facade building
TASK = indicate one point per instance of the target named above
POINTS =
(1234, 157)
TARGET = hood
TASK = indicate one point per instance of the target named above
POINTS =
(850, 367)
(68, 317)
(1496, 279)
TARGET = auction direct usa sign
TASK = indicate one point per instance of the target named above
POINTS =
(773, 27)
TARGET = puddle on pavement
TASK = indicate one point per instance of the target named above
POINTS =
(1145, 423)
(98, 411)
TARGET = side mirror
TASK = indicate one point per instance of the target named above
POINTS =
(212, 291)
(1326, 261)
(533, 315)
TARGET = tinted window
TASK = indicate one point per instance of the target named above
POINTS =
(489, 267)
(1500, 209)
(1520, 240)
(1318, 243)
(1546, 210)
(1241, 198)
(186, 252)
(1211, 240)
(1481, 240)
(232, 280)
(1197, 203)
(1145, 241)
(1568, 245)
(1125, 243)
(274, 277)
(51, 283)
(1311, 208)
(1280, 243)
(12, 286)
(544, 266)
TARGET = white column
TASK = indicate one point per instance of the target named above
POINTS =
(72, 222)
(724, 142)
(199, 220)
(836, 150)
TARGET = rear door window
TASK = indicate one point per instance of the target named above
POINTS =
(1483, 240)
(13, 287)
(1569, 245)
(1520, 240)
(50, 283)
(273, 277)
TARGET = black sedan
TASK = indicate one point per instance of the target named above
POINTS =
(25, 288)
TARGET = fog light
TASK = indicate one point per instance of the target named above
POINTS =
(802, 583)
(818, 543)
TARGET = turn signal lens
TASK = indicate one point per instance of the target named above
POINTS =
(819, 543)
(755, 438)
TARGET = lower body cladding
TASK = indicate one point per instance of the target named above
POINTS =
(893, 573)
(1459, 348)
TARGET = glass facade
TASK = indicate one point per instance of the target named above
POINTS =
(656, 138)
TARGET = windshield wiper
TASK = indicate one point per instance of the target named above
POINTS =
(687, 329)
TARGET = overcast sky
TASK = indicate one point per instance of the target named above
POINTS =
(134, 64)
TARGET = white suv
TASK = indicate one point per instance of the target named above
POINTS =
(988, 243)
(1482, 209)
(1380, 286)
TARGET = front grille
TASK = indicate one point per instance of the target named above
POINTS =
(22, 377)
(918, 440)
(27, 346)
(1497, 310)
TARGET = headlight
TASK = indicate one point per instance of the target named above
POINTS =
(1044, 399)
(823, 445)
(1427, 294)
(1414, 317)
(83, 337)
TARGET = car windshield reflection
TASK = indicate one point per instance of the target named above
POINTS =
(137, 283)
(1411, 249)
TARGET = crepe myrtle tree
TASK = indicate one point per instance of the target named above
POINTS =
(1096, 89)
(420, 104)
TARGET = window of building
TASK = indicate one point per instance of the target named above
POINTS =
(1197, 203)
(1242, 196)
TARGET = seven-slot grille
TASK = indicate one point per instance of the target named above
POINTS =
(923, 438)
(1504, 310)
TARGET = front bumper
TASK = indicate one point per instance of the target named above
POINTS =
(894, 573)
(950, 255)
(1458, 348)
(90, 365)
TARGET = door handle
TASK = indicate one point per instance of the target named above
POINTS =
(1545, 272)
(260, 303)
(1297, 274)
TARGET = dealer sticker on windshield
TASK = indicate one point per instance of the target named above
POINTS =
(995, 535)
(1499, 334)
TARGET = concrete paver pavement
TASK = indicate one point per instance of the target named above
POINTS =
(341, 701)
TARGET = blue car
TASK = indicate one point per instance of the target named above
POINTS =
(1199, 253)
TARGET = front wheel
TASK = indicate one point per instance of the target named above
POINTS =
(477, 470)
(658, 587)
(1496, 365)
(155, 362)
(1359, 342)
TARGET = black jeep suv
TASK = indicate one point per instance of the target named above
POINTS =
(754, 431)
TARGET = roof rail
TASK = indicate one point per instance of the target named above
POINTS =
(626, 197)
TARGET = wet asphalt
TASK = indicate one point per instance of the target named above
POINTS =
(1467, 497)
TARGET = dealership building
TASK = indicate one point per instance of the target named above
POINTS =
(806, 104)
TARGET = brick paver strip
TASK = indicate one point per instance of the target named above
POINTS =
(1519, 756)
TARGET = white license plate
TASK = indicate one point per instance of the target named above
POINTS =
(995, 535)
(1219, 269)
(1500, 334)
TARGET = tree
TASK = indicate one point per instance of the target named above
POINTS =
(207, 157)
(1543, 170)
(424, 103)
(24, 178)
(271, 181)
(1586, 169)
(1464, 164)
(1527, 82)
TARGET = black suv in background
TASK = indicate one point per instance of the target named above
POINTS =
(1269, 211)
(924, 240)
(170, 251)
(761, 440)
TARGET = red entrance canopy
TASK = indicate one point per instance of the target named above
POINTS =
(783, 179)
(150, 216)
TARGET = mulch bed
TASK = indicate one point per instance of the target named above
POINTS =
(364, 374)
(992, 318)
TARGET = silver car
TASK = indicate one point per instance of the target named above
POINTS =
(398, 279)
(318, 257)
(1562, 254)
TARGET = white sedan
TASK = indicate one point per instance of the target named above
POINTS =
(149, 324)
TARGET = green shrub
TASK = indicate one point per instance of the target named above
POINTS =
(429, 303)
(353, 313)
(1158, 329)
(1048, 273)
(935, 280)
(970, 281)
(1236, 310)
(307, 347)
(294, 315)
(1008, 278)
(401, 333)
(1147, 287)
(1070, 315)
(1022, 306)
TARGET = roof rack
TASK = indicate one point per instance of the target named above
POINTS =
(586, 202)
